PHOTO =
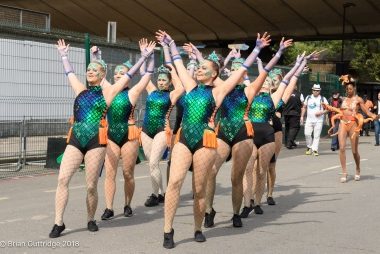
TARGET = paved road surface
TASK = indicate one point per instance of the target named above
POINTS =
(314, 213)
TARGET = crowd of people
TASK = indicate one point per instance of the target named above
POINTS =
(235, 119)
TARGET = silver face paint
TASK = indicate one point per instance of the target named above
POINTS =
(119, 72)
(163, 82)
(93, 66)
(96, 70)
(204, 72)
(120, 68)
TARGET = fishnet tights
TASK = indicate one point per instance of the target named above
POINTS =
(240, 156)
(272, 166)
(128, 153)
(154, 150)
(248, 177)
(203, 160)
(265, 153)
(222, 153)
(70, 163)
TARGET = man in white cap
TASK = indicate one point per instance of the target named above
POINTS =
(314, 120)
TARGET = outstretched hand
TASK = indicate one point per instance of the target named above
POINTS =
(188, 48)
(148, 50)
(164, 37)
(285, 44)
(62, 48)
(143, 43)
(314, 55)
(300, 57)
(94, 49)
(262, 42)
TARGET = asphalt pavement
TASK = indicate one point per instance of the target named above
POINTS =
(315, 213)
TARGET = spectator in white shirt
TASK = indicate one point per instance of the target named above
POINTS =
(314, 120)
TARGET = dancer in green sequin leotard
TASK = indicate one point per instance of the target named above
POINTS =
(123, 139)
(262, 110)
(234, 139)
(197, 142)
(89, 109)
(156, 132)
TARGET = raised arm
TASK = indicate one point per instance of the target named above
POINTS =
(143, 43)
(194, 50)
(136, 91)
(260, 66)
(192, 64)
(233, 54)
(113, 90)
(255, 87)
(186, 80)
(293, 82)
(191, 67)
(96, 53)
(230, 83)
(75, 83)
(178, 87)
(283, 46)
(276, 96)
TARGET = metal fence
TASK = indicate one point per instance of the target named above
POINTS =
(36, 100)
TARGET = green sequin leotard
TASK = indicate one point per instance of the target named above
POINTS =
(117, 116)
(89, 107)
(199, 106)
(262, 110)
(157, 104)
(232, 127)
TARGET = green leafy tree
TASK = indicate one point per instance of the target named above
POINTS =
(364, 55)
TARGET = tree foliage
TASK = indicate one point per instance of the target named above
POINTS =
(363, 55)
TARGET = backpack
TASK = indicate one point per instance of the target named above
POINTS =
(320, 104)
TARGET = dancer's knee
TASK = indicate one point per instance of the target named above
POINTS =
(63, 182)
(199, 193)
(355, 154)
(128, 176)
(174, 184)
(237, 177)
(92, 189)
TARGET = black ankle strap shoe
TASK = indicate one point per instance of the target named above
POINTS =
(57, 230)
(236, 221)
(108, 214)
(91, 226)
(127, 211)
(168, 240)
(199, 236)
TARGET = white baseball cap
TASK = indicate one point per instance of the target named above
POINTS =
(316, 87)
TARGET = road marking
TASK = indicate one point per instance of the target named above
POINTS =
(13, 220)
(4, 198)
(136, 178)
(40, 217)
(338, 166)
